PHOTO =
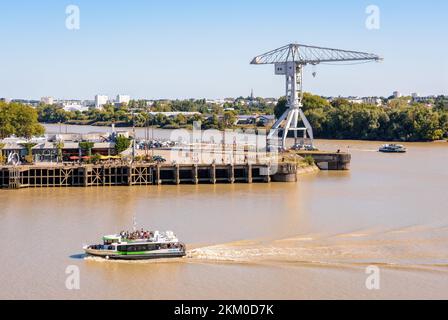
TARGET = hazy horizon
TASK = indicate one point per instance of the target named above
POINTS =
(113, 97)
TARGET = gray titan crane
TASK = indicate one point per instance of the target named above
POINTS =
(290, 61)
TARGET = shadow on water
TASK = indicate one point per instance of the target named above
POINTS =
(78, 256)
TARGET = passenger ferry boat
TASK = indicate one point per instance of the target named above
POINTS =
(138, 245)
(393, 148)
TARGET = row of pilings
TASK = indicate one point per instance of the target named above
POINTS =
(86, 175)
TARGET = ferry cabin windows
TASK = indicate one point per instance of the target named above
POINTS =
(139, 247)
(121, 248)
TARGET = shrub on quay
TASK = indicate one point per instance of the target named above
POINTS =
(29, 151)
(122, 144)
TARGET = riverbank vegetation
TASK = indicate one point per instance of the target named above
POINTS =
(397, 121)
(211, 116)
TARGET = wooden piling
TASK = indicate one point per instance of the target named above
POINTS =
(86, 175)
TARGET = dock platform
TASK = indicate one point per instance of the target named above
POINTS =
(89, 175)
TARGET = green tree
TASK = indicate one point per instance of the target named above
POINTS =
(195, 118)
(398, 103)
(87, 146)
(212, 122)
(59, 146)
(2, 157)
(311, 101)
(180, 119)
(20, 120)
(121, 144)
(229, 119)
(339, 102)
(161, 119)
(280, 107)
(441, 103)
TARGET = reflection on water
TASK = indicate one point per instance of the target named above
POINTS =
(312, 239)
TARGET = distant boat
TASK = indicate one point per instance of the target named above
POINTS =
(392, 148)
(138, 245)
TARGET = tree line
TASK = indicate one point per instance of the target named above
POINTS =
(341, 119)
(135, 114)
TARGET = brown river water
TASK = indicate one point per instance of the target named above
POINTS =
(311, 239)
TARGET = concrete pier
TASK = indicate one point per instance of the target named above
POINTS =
(88, 175)
(286, 173)
(328, 160)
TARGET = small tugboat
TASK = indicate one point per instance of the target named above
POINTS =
(392, 148)
(138, 245)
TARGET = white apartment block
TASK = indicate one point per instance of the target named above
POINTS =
(100, 101)
(74, 107)
(123, 99)
(397, 94)
(372, 100)
(47, 100)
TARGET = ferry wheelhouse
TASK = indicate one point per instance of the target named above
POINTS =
(138, 246)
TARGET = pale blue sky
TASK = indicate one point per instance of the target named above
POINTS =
(187, 48)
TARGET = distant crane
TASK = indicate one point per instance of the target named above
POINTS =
(289, 61)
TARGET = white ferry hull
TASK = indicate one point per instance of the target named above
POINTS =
(149, 256)
(155, 254)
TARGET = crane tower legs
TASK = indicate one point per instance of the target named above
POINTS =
(289, 121)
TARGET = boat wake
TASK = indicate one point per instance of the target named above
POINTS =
(411, 248)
